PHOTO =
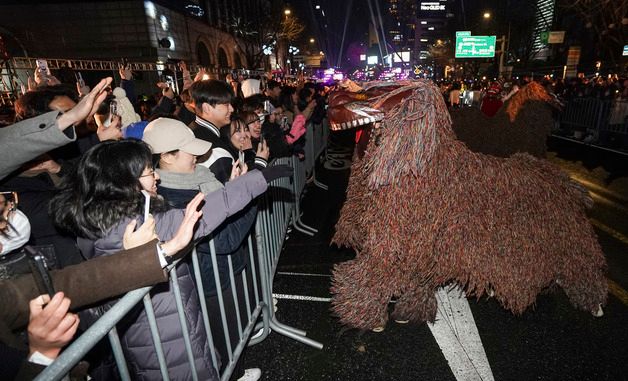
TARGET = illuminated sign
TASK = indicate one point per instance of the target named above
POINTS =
(475, 46)
(372, 60)
(432, 6)
(401, 57)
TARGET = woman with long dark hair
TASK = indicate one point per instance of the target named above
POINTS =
(98, 201)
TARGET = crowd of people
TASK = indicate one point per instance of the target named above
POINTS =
(609, 88)
(77, 170)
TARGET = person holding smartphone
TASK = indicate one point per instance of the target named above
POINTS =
(96, 204)
(175, 149)
(51, 325)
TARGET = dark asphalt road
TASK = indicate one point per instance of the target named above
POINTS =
(551, 341)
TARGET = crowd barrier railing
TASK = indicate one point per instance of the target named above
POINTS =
(271, 227)
(315, 145)
(595, 121)
(276, 211)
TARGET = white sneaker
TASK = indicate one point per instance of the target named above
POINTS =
(252, 374)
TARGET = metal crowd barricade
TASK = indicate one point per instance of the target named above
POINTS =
(315, 144)
(604, 122)
(272, 223)
(276, 209)
(585, 114)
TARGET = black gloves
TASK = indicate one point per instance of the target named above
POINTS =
(276, 171)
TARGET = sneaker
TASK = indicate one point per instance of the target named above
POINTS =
(252, 374)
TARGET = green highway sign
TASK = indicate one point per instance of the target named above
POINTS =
(475, 46)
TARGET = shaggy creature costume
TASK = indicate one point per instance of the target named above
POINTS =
(423, 210)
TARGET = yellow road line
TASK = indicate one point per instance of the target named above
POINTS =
(610, 231)
(618, 292)
(613, 288)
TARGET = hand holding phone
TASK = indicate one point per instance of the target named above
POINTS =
(241, 163)
(42, 67)
(113, 111)
(39, 268)
(146, 204)
(79, 79)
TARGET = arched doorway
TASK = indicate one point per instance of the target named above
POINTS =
(202, 54)
(223, 62)
(237, 61)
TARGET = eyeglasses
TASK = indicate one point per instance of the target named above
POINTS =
(152, 173)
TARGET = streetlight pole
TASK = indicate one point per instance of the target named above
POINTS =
(501, 56)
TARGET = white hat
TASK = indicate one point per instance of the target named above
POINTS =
(165, 135)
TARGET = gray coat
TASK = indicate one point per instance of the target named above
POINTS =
(136, 339)
(25, 140)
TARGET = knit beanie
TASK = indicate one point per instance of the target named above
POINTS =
(125, 108)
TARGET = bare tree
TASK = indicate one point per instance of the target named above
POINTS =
(608, 19)
(290, 28)
(251, 36)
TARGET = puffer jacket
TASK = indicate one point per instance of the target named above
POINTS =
(229, 240)
(136, 338)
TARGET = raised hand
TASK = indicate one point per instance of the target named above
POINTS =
(86, 107)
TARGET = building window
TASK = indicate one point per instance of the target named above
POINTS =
(202, 55)
(223, 62)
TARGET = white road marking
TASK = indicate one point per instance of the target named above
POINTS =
(303, 274)
(457, 335)
(302, 297)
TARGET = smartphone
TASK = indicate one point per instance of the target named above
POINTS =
(146, 204)
(79, 79)
(241, 159)
(170, 81)
(284, 123)
(268, 107)
(41, 273)
(42, 66)
(113, 110)
(11, 199)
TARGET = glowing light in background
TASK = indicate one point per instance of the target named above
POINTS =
(163, 21)
(149, 7)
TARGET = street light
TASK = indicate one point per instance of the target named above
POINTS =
(311, 40)
(486, 15)
(287, 12)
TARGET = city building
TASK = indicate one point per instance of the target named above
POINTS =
(543, 20)
(199, 32)
(431, 27)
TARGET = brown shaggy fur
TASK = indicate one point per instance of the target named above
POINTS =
(521, 125)
(426, 211)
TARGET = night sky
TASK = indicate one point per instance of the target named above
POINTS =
(329, 38)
